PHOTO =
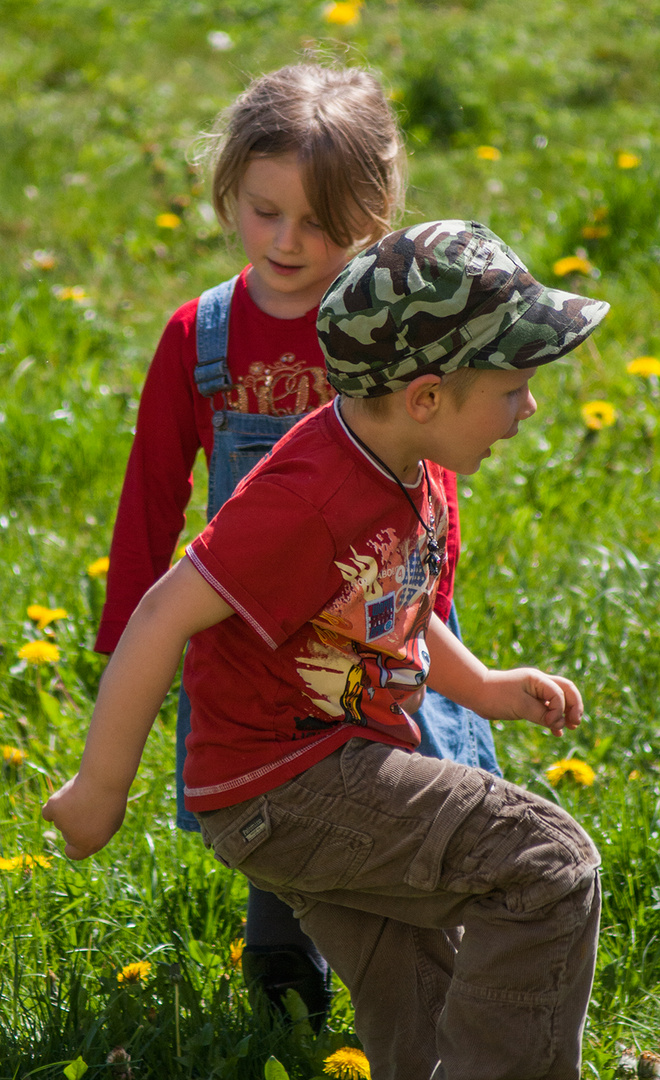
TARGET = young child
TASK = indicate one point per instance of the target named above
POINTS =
(308, 168)
(308, 602)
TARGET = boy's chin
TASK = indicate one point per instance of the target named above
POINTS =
(470, 469)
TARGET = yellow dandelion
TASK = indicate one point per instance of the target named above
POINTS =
(12, 755)
(25, 862)
(236, 952)
(347, 1064)
(342, 13)
(598, 414)
(634, 775)
(626, 160)
(644, 365)
(70, 292)
(571, 264)
(168, 221)
(37, 860)
(488, 153)
(579, 770)
(134, 973)
(39, 652)
(595, 232)
(43, 615)
(99, 568)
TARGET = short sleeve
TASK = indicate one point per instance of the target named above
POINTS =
(269, 553)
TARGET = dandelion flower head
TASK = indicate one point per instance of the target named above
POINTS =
(488, 153)
(168, 221)
(571, 264)
(598, 414)
(595, 232)
(99, 568)
(579, 770)
(44, 615)
(625, 160)
(12, 755)
(236, 952)
(70, 292)
(25, 862)
(644, 365)
(134, 973)
(39, 652)
(347, 1064)
(342, 13)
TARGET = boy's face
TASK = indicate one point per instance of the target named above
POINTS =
(495, 405)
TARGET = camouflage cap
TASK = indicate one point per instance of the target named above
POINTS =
(437, 297)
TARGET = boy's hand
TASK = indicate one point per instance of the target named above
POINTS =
(528, 694)
(86, 816)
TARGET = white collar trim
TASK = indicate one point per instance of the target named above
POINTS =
(374, 464)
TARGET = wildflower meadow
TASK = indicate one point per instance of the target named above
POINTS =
(540, 120)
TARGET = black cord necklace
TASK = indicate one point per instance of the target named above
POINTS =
(432, 560)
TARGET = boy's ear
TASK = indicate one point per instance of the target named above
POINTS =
(423, 397)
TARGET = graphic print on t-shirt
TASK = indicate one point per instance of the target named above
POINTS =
(286, 387)
(371, 652)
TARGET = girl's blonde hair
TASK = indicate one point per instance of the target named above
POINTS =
(338, 123)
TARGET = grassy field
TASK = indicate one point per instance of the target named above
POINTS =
(540, 120)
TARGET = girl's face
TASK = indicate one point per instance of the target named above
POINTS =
(293, 261)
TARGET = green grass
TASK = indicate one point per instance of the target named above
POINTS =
(100, 108)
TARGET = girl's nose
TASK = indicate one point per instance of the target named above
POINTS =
(287, 236)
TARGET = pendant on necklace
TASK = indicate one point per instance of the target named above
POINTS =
(433, 558)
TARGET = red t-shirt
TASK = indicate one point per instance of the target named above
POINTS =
(278, 367)
(323, 560)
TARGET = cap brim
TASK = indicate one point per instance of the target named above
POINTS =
(555, 324)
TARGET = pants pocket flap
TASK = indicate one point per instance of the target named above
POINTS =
(244, 835)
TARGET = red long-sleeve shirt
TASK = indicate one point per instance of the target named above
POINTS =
(277, 368)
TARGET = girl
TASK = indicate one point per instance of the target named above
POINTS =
(308, 170)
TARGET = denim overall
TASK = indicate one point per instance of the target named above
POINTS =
(239, 441)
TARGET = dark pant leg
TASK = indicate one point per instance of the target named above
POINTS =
(279, 956)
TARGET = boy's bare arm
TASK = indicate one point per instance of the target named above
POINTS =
(90, 808)
(519, 694)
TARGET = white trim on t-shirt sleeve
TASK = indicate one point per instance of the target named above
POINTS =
(226, 595)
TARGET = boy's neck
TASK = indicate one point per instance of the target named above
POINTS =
(386, 437)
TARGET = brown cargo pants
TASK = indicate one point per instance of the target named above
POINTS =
(384, 857)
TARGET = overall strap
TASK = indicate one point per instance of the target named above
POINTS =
(211, 372)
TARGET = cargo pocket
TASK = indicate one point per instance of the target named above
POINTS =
(425, 870)
(309, 854)
(241, 837)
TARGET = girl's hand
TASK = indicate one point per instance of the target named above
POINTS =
(528, 694)
(86, 816)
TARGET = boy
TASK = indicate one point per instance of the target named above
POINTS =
(308, 601)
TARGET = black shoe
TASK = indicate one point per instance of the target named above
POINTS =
(273, 971)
